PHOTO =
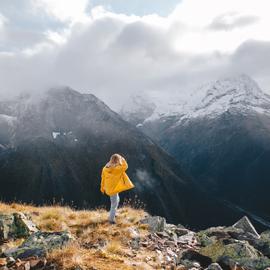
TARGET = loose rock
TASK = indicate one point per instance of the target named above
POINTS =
(245, 224)
(38, 244)
(214, 266)
(16, 225)
(155, 223)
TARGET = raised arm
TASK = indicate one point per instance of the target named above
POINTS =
(124, 164)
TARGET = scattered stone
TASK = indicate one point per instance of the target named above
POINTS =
(212, 234)
(245, 224)
(133, 233)
(135, 243)
(226, 263)
(155, 223)
(38, 244)
(6, 226)
(238, 250)
(238, 247)
(196, 265)
(214, 266)
(255, 264)
(188, 239)
(10, 261)
(194, 256)
(262, 244)
(37, 263)
(16, 225)
(24, 225)
(181, 231)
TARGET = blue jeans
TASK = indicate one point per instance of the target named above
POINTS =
(114, 205)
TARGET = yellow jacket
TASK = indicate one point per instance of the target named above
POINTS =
(115, 180)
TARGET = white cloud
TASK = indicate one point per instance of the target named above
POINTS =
(64, 10)
(3, 20)
(199, 15)
(113, 55)
(227, 22)
(56, 37)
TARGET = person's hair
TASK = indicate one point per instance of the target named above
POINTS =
(114, 160)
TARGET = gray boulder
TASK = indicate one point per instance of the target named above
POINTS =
(38, 244)
(258, 264)
(16, 225)
(245, 224)
(214, 266)
(263, 244)
(6, 226)
(194, 256)
(24, 225)
(155, 223)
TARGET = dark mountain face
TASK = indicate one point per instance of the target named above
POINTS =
(230, 157)
(55, 146)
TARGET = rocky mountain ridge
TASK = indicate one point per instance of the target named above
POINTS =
(137, 241)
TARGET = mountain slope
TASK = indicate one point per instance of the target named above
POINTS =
(59, 143)
(221, 136)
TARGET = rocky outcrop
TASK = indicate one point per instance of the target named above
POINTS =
(245, 224)
(163, 245)
(156, 223)
(38, 244)
(217, 248)
(31, 254)
(16, 225)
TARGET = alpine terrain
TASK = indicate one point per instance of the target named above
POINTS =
(221, 135)
(54, 146)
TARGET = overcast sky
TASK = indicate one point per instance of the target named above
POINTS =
(113, 48)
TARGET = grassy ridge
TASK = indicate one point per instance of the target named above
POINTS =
(97, 245)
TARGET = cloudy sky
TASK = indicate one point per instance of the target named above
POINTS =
(113, 48)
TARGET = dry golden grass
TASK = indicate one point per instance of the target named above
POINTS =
(114, 247)
(98, 244)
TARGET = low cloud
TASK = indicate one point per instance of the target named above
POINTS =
(145, 181)
(114, 55)
(231, 21)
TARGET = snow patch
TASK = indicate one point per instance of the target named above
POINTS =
(10, 120)
(55, 134)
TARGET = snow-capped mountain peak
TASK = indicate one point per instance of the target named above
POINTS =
(239, 93)
(233, 94)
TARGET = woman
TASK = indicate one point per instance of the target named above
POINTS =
(115, 180)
